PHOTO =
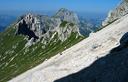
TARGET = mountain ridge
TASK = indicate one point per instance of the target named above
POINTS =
(79, 56)
(117, 13)
(39, 26)
(81, 60)
(34, 39)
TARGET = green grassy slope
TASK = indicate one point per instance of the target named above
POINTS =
(16, 59)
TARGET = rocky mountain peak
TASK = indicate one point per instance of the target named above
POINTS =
(63, 24)
(63, 10)
(118, 12)
(33, 39)
(66, 15)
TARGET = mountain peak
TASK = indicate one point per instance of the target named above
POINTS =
(44, 27)
(35, 38)
(118, 12)
(67, 15)
(63, 9)
(94, 59)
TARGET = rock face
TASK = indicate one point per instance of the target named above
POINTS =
(23, 28)
(64, 23)
(117, 13)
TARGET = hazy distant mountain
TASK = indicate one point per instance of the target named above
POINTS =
(2, 28)
(6, 20)
(90, 22)
(89, 25)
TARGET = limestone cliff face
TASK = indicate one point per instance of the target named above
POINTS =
(118, 12)
(40, 27)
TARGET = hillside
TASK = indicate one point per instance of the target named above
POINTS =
(95, 59)
(32, 40)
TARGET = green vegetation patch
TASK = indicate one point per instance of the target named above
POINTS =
(16, 59)
(63, 24)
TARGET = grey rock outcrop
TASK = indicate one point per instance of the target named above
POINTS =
(117, 13)
(42, 27)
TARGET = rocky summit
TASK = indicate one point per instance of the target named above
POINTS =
(33, 39)
(64, 23)
(118, 12)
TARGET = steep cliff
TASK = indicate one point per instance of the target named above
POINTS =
(118, 12)
(64, 23)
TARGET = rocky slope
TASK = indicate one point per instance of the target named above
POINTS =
(92, 60)
(118, 12)
(34, 39)
(63, 24)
